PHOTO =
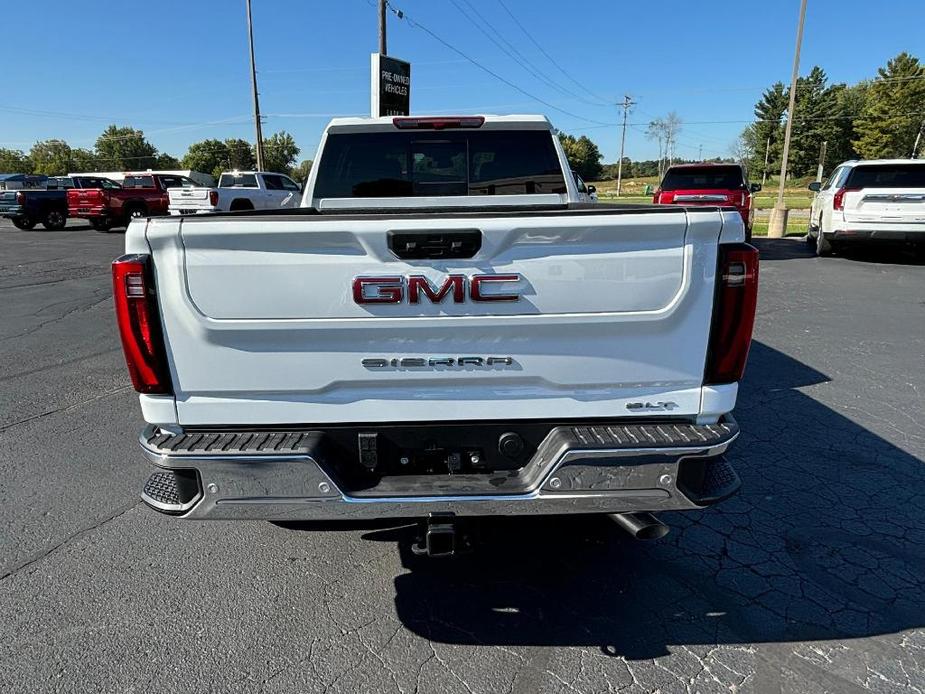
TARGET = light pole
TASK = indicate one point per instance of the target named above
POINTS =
(777, 226)
(250, 36)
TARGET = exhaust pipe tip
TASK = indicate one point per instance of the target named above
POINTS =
(642, 526)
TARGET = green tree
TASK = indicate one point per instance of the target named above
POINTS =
(815, 121)
(583, 156)
(166, 162)
(125, 148)
(240, 156)
(14, 161)
(50, 157)
(83, 160)
(893, 110)
(280, 152)
(849, 102)
(208, 156)
(300, 173)
(768, 127)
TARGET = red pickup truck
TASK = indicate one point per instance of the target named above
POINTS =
(108, 204)
(718, 185)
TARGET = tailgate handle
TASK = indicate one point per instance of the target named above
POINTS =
(419, 245)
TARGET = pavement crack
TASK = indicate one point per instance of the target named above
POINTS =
(69, 539)
(66, 408)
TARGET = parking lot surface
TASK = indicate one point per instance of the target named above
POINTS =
(808, 581)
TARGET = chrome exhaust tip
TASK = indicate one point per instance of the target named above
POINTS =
(642, 526)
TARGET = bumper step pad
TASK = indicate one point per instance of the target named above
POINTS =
(172, 491)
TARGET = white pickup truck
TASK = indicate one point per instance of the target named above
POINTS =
(441, 330)
(236, 191)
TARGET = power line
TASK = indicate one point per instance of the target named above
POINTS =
(417, 25)
(515, 54)
(548, 57)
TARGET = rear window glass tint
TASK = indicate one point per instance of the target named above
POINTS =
(888, 176)
(238, 181)
(177, 182)
(95, 182)
(712, 177)
(403, 164)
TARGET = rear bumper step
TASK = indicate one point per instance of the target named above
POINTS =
(290, 475)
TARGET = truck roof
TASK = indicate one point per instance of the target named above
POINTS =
(519, 121)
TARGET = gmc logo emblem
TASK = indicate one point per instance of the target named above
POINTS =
(392, 290)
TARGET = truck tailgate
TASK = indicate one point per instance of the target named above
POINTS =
(262, 326)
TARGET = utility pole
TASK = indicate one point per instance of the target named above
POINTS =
(700, 154)
(627, 102)
(825, 144)
(767, 154)
(250, 35)
(778, 223)
(383, 4)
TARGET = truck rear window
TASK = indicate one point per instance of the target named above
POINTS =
(238, 181)
(888, 176)
(704, 178)
(95, 182)
(414, 164)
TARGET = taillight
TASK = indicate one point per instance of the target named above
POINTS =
(838, 200)
(733, 313)
(139, 324)
(656, 195)
(438, 123)
(20, 198)
(213, 197)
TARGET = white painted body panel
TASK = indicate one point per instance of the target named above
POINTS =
(261, 327)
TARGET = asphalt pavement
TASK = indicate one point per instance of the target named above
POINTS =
(808, 581)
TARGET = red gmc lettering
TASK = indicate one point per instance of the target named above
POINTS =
(478, 282)
(388, 290)
(391, 290)
(419, 283)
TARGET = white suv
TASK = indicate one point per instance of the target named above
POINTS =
(879, 200)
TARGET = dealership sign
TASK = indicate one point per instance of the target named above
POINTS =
(390, 86)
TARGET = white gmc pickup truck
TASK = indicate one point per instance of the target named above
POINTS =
(441, 330)
(237, 190)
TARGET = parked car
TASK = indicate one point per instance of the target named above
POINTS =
(441, 330)
(237, 190)
(110, 204)
(709, 184)
(873, 200)
(45, 203)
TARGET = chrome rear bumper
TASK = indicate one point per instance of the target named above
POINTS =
(603, 468)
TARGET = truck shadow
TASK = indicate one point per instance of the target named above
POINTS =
(876, 253)
(826, 540)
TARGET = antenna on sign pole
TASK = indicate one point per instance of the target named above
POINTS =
(250, 36)
(627, 102)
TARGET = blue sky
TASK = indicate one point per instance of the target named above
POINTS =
(178, 69)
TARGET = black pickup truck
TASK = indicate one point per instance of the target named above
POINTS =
(28, 207)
